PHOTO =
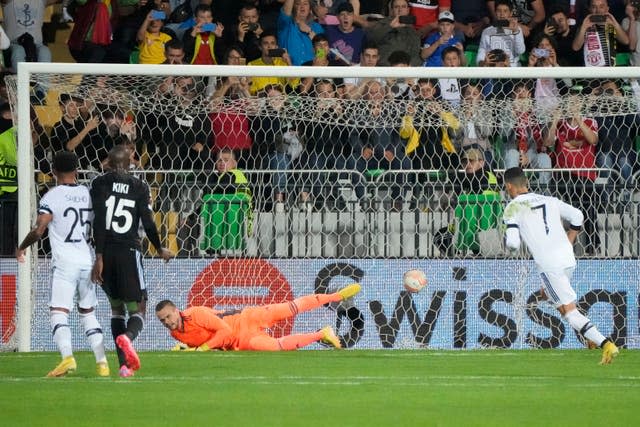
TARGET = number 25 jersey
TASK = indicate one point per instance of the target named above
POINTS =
(70, 228)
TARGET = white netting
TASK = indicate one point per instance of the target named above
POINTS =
(344, 177)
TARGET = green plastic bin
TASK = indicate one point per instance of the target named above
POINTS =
(474, 213)
(224, 220)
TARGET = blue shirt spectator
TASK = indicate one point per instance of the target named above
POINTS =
(296, 29)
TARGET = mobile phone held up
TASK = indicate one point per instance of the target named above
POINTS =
(502, 23)
(208, 28)
(407, 19)
(276, 53)
(158, 15)
(540, 53)
(598, 19)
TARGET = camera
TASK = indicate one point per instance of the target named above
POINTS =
(502, 23)
(276, 53)
(407, 19)
(252, 27)
(598, 19)
(540, 53)
(551, 22)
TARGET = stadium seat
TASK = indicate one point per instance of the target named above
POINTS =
(471, 57)
(474, 213)
(134, 57)
(623, 59)
(224, 220)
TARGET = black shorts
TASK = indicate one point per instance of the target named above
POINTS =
(122, 274)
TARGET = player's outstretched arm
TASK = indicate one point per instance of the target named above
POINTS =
(33, 236)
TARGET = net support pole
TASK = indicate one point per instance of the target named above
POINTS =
(25, 187)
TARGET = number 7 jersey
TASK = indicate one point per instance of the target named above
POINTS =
(120, 202)
(70, 227)
(538, 220)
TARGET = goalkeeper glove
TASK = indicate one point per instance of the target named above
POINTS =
(182, 347)
(203, 347)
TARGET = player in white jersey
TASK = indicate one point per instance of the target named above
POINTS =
(538, 220)
(66, 210)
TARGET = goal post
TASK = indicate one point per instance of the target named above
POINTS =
(360, 217)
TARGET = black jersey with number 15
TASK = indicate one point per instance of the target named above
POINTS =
(120, 202)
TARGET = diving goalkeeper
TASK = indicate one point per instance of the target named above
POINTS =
(202, 328)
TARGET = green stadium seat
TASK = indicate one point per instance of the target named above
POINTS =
(471, 57)
(134, 57)
(623, 59)
(224, 219)
(474, 213)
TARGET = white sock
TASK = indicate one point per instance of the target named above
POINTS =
(61, 332)
(583, 325)
(93, 331)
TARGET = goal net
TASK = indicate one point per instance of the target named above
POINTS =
(347, 174)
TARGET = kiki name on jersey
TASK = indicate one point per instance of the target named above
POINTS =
(120, 187)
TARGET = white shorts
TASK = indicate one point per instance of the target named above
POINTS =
(68, 282)
(557, 286)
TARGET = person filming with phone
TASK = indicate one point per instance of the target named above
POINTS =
(199, 42)
(396, 32)
(597, 36)
(271, 54)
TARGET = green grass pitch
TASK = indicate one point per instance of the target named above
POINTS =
(328, 388)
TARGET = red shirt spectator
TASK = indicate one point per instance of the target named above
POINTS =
(572, 148)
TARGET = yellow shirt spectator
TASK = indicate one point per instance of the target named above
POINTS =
(152, 48)
(259, 83)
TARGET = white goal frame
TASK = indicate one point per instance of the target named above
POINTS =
(25, 162)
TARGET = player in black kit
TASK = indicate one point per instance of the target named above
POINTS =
(120, 202)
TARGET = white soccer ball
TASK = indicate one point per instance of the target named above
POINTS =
(414, 280)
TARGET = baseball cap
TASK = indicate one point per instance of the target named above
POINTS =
(446, 16)
(344, 7)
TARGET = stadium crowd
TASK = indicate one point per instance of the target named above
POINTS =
(355, 124)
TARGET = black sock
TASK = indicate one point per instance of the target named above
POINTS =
(134, 326)
(118, 327)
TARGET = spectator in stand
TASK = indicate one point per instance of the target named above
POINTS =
(174, 52)
(22, 22)
(229, 113)
(74, 132)
(557, 26)
(426, 13)
(199, 42)
(530, 13)
(93, 29)
(632, 26)
(272, 55)
(616, 132)
(597, 36)
(326, 141)
(152, 41)
(437, 42)
(547, 91)
(497, 88)
(450, 88)
(248, 32)
(296, 30)
(323, 58)
(369, 58)
(472, 16)
(575, 137)
(392, 35)
(375, 144)
(525, 143)
(347, 39)
(478, 122)
(507, 38)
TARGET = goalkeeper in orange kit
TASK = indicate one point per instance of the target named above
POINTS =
(202, 328)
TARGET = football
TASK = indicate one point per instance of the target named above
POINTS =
(414, 280)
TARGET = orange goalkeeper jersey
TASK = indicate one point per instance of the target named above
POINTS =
(203, 325)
